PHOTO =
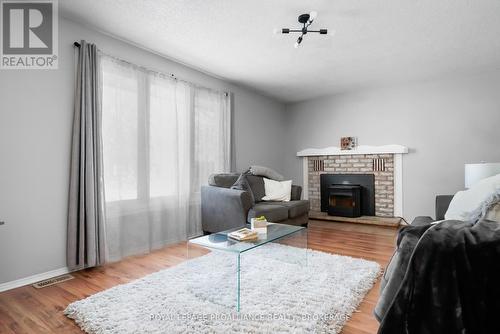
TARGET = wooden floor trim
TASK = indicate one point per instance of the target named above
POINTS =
(33, 279)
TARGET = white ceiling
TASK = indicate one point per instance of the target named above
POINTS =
(376, 42)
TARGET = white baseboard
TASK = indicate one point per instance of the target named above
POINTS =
(33, 279)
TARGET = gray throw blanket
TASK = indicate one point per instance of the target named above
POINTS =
(443, 278)
(483, 209)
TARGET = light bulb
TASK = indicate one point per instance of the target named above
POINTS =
(299, 40)
(276, 31)
(312, 15)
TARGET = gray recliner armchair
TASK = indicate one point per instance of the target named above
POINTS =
(224, 208)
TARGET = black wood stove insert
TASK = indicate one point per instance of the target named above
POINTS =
(344, 200)
(348, 195)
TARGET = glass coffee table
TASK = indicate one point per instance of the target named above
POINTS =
(291, 235)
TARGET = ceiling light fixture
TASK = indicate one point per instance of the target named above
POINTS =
(306, 20)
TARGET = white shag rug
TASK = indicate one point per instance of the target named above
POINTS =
(279, 294)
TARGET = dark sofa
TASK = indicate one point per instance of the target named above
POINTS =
(224, 208)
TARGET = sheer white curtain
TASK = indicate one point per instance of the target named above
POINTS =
(162, 138)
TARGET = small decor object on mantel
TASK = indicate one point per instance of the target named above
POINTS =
(348, 143)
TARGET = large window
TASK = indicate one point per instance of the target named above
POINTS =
(162, 138)
(153, 126)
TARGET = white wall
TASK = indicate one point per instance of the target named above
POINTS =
(36, 111)
(445, 123)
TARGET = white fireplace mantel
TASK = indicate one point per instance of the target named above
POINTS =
(361, 149)
(397, 150)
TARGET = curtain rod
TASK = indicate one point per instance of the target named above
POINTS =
(77, 44)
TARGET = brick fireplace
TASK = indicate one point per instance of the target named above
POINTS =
(383, 162)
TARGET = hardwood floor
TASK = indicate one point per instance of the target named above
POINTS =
(30, 310)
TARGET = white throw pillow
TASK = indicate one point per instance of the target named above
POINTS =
(465, 203)
(277, 190)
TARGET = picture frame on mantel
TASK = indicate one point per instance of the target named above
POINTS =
(348, 143)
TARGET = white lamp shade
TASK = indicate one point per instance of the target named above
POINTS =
(477, 172)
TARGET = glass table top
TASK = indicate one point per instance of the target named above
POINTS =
(221, 241)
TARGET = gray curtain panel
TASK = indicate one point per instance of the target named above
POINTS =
(85, 244)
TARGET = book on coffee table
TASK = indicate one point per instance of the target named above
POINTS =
(243, 234)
